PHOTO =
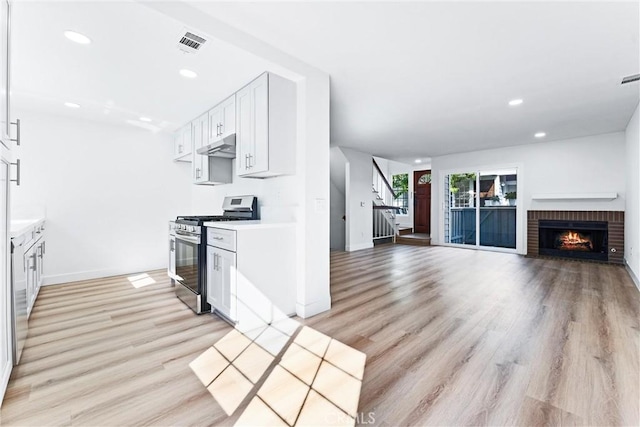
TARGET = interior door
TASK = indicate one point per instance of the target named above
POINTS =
(422, 201)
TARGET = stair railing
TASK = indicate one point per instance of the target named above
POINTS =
(384, 213)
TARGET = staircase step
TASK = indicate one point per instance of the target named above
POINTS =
(405, 230)
(416, 239)
(383, 241)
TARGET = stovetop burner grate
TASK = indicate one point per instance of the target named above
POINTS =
(199, 220)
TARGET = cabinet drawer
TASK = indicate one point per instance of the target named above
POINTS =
(221, 238)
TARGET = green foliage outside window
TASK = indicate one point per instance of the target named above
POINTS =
(458, 180)
(400, 184)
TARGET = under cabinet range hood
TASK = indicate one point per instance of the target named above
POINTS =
(225, 147)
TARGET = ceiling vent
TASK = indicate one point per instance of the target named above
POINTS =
(190, 42)
(630, 79)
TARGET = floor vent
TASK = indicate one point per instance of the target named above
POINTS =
(190, 42)
(630, 79)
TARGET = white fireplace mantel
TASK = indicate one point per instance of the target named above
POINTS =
(575, 196)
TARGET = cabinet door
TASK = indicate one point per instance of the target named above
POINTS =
(187, 139)
(42, 264)
(226, 264)
(183, 143)
(178, 148)
(198, 142)
(6, 296)
(39, 269)
(259, 157)
(228, 116)
(5, 81)
(252, 127)
(171, 270)
(30, 263)
(244, 130)
(215, 121)
(213, 279)
(202, 161)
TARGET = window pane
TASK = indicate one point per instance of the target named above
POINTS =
(460, 212)
(498, 192)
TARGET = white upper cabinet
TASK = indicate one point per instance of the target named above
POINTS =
(266, 127)
(183, 144)
(199, 128)
(207, 170)
(5, 81)
(222, 119)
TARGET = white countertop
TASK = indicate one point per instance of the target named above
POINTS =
(246, 225)
(20, 226)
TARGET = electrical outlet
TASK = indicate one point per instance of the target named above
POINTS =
(362, 204)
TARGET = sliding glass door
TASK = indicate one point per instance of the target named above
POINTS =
(480, 208)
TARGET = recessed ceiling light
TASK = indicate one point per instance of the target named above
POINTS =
(71, 105)
(145, 119)
(515, 102)
(540, 135)
(77, 37)
(418, 161)
(188, 73)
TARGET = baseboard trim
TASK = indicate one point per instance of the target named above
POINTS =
(635, 279)
(359, 246)
(5, 376)
(58, 279)
(308, 310)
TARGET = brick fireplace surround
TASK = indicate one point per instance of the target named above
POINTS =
(615, 220)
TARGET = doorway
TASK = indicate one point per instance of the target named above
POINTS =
(422, 201)
(481, 208)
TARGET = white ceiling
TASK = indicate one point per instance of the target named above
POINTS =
(409, 79)
(131, 68)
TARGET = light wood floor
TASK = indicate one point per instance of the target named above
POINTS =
(452, 337)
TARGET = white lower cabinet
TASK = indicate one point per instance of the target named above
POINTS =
(32, 259)
(251, 272)
(34, 264)
(221, 281)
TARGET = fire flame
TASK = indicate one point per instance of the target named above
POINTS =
(574, 241)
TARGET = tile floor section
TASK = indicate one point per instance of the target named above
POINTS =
(316, 381)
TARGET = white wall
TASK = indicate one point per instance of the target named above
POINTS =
(109, 192)
(632, 211)
(593, 164)
(338, 164)
(358, 200)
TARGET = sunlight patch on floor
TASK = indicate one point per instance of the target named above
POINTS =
(141, 280)
(294, 376)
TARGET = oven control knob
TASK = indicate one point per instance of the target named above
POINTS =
(192, 228)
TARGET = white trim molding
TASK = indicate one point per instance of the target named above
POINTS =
(635, 279)
(359, 246)
(575, 196)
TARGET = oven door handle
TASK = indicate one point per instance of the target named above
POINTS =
(189, 239)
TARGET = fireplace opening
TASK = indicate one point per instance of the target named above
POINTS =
(574, 239)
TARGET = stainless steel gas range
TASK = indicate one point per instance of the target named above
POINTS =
(188, 245)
